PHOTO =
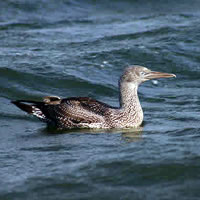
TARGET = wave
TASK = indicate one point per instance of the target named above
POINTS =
(77, 11)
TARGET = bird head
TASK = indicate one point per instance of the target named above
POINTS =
(138, 74)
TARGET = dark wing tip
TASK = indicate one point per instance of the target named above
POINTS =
(23, 106)
(14, 102)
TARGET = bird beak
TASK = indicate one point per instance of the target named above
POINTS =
(155, 75)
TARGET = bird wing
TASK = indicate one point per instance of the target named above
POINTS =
(81, 109)
(66, 111)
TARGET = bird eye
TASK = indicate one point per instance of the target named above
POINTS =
(142, 73)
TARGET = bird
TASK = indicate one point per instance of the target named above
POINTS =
(85, 112)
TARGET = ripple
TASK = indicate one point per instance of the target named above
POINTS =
(76, 48)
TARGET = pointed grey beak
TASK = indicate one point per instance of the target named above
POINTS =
(155, 75)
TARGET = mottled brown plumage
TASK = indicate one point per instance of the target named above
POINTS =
(84, 112)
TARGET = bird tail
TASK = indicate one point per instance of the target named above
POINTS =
(31, 107)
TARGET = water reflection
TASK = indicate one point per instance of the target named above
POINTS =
(129, 134)
(132, 135)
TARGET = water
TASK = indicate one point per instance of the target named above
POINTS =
(80, 48)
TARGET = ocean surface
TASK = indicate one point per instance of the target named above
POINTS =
(80, 48)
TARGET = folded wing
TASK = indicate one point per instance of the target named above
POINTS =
(69, 112)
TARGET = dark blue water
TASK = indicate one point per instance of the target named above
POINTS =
(80, 48)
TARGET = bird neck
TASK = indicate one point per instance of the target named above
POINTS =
(129, 100)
